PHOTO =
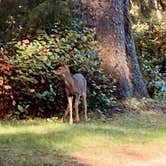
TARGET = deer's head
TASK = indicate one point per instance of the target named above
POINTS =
(62, 70)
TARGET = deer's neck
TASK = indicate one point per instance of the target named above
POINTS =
(69, 83)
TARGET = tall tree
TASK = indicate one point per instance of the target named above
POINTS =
(111, 18)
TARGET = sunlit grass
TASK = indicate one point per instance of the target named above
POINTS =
(43, 141)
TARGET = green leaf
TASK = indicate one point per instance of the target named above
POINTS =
(20, 108)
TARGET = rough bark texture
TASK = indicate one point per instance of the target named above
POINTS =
(111, 19)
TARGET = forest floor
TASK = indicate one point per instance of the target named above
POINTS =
(132, 138)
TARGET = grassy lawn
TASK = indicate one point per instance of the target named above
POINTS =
(49, 142)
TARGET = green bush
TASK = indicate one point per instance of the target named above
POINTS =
(150, 41)
(38, 91)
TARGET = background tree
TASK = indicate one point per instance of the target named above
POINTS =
(115, 42)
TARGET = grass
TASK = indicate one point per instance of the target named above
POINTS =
(49, 142)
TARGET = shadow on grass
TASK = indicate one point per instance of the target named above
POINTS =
(22, 144)
(53, 148)
(37, 150)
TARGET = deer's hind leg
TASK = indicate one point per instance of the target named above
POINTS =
(85, 106)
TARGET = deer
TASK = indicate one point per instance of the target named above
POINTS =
(75, 87)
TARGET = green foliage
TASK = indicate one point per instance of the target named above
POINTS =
(38, 91)
(23, 17)
(49, 11)
(150, 41)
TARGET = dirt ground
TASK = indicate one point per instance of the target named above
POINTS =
(132, 155)
(129, 155)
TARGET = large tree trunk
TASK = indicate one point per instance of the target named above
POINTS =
(111, 19)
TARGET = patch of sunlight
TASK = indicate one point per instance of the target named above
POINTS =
(135, 9)
(26, 127)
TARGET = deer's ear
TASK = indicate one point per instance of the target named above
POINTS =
(69, 65)
(64, 61)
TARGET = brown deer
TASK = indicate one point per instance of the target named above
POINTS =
(75, 87)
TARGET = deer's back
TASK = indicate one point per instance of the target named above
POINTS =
(80, 83)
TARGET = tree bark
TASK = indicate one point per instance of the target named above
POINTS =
(115, 41)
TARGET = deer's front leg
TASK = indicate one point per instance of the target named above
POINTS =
(65, 114)
(70, 101)
(76, 107)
